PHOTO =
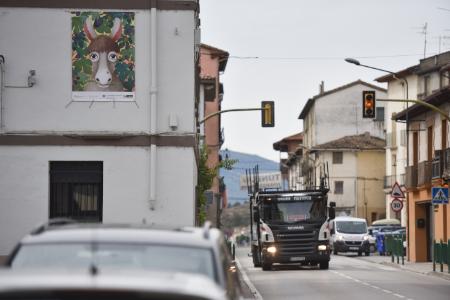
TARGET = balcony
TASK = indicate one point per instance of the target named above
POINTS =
(440, 164)
(424, 173)
(411, 177)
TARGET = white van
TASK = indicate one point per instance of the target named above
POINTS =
(349, 234)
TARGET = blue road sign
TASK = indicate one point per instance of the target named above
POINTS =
(439, 195)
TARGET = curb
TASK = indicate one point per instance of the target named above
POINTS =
(445, 276)
(247, 281)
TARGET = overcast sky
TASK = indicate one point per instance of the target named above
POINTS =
(300, 43)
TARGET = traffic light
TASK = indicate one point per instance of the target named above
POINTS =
(267, 113)
(369, 104)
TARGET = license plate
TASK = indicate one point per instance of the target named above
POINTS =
(354, 248)
(298, 258)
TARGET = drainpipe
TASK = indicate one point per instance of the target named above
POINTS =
(2, 84)
(153, 97)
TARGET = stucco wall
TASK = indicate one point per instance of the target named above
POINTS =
(25, 186)
(40, 39)
(345, 172)
(342, 111)
(370, 170)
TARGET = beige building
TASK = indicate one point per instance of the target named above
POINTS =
(356, 168)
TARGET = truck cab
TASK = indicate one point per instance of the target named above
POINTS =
(291, 227)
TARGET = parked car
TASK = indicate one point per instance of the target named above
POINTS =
(62, 245)
(142, 285)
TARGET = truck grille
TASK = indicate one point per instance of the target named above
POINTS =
(296, 242)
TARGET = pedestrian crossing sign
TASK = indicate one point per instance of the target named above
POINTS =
(439, 195)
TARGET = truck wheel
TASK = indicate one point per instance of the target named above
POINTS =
(367, 253)
(324, 265)
(266, 266)
(256, 258)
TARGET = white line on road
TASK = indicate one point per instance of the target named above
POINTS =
(370, 285)
(247, 281)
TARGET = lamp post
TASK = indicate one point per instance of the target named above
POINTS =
(394, 75)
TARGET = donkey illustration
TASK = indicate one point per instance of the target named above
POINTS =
(103, 53)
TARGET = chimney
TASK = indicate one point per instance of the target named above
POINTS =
(321, 88)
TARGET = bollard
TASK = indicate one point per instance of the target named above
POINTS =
(441, 246)
(401, 247)
(448, 256)
(398, 243)
(234, 251)
(434, 256)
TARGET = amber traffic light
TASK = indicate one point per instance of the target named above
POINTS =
(369, 104)
(267, 113)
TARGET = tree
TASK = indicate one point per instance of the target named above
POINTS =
(206, 177)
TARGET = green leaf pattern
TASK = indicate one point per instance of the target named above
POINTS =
(103, 22)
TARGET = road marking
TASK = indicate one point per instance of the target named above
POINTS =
(370, 285)
(247, 281)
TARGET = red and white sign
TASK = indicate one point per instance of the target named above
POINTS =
(396, 205)
(397, 191)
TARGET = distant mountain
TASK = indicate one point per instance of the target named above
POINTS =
(245, 161)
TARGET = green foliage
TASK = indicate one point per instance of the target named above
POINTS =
(206, 177)
(103, 22)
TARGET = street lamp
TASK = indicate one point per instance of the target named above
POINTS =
(394, 75)
(356, 62)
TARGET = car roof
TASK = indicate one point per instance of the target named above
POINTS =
(346, 218)
(145, 282)
(120, 233)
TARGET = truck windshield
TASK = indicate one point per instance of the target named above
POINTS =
(351, 227)
(294, 211)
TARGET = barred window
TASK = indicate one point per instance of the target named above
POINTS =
(337, 157)
(338, 187)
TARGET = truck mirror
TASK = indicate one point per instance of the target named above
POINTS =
(332, 204)
(331, 212)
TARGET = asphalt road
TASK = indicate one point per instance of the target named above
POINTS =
(348, 278)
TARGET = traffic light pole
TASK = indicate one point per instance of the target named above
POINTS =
(420, 102)
(227, 110)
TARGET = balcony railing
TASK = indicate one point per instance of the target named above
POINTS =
(411, 177)
(424, 173)
(391, 179)
(440, 163)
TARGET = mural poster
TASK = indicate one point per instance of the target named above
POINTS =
(103, 56)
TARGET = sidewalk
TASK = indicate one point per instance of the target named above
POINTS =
(420, 267)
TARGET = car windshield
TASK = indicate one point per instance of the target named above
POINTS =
(351, 227)
(293, 211)
(124, 256)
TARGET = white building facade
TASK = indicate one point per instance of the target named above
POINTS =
(328, 117)
(97, 160)
(401, 86)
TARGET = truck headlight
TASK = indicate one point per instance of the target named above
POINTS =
(366, 238)
(272, 249)
(340, 237)
(322, 247)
